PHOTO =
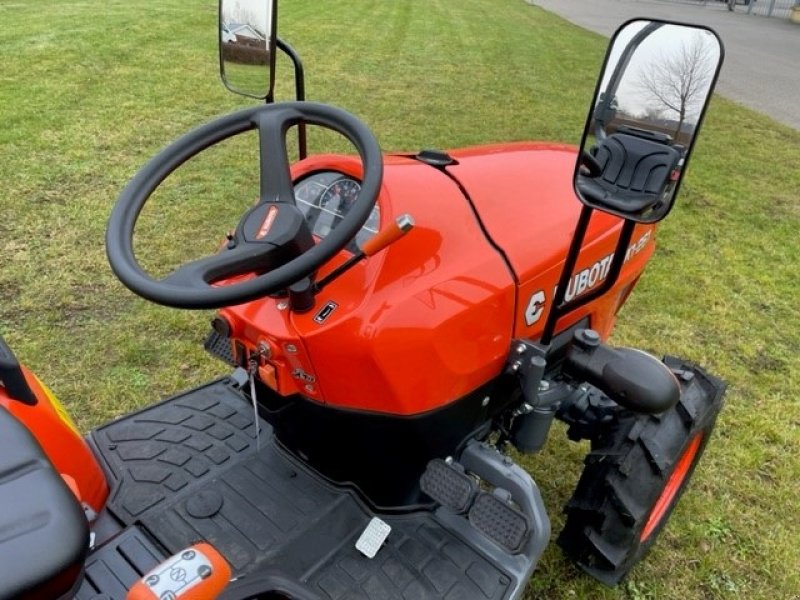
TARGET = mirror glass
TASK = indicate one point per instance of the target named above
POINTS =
(645, 116)
(247, 46)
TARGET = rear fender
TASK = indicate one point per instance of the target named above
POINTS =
(60, 439)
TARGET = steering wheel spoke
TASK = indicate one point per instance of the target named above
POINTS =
(276, 178)
(230, 262)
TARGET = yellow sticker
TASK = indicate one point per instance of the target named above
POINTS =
(58, 407)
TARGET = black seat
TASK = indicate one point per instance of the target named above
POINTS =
(44, 536)
(636, 172)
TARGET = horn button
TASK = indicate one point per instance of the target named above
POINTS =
(279, 228)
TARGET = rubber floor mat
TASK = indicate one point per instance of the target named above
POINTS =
(188, 469)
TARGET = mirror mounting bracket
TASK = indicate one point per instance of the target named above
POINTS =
(560, 306)
(300, 91)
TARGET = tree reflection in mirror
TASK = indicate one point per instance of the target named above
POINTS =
(644, 118)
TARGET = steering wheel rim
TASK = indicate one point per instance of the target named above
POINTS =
(184, 289)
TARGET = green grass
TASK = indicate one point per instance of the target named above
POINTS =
(89, 91)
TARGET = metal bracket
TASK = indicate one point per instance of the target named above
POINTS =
(527, 360)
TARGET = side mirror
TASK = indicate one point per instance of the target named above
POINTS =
(647, 109)
(247, 46)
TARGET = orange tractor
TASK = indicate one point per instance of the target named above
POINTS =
(393, 324)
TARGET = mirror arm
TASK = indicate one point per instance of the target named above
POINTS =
(300, 90)
(566, 273)
(613, 272)
(561, 308)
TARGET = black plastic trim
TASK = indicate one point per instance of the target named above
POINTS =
(12, 378)
(381, 455)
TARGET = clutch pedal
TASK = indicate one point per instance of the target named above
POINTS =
(448, 485)
(219, 345)
(498, 520)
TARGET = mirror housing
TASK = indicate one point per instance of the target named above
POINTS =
(648, 106)
(247, 37)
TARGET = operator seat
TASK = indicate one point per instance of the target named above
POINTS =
(637, 170)
(44, 536)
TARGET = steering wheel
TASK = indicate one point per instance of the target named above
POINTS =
(272, 238)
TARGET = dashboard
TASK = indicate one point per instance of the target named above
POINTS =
(325, 197)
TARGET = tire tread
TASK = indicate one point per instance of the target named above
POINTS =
(625, 472)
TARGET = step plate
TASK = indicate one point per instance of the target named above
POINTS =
(449, 487)
(264, 511)
(499, 521)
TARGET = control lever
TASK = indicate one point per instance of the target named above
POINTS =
(395, 230)
(631, 378)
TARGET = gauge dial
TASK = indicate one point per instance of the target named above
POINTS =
(325, 198)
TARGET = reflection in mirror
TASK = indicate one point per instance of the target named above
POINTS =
(645, 116)
(247, 46)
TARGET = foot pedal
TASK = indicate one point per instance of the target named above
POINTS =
(373, 537)
(499, 521)
(448, 485)
(219, 345)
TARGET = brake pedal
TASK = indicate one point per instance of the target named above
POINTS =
(498, 520)
(448, 485)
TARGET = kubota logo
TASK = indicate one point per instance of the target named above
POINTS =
(582, 281)
(269, 220)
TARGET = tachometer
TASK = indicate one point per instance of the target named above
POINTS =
(326, 197)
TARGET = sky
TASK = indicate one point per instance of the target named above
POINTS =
(660, 46)
(254, 12)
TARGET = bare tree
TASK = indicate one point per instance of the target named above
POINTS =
(678, 82)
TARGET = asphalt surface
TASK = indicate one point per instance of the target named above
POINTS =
(762, 54)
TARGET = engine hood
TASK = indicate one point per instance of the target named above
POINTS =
(523, 196)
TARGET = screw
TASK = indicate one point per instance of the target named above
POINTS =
(544, 386)
(485, 401)
(521, 348)
(291, 348)
(515, 367)
(283, 305)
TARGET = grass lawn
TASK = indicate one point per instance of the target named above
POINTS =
(89, 91)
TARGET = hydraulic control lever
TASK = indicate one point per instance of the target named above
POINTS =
(401, 226)
(631, 378)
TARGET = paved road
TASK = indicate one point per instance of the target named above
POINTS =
(761, 67)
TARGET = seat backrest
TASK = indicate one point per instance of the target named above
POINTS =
(636, 172)
(636, 164)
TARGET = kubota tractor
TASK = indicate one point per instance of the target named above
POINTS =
(393, 323)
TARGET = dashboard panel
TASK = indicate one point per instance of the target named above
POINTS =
(325, 197)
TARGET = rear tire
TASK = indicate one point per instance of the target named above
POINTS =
(634, 476)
